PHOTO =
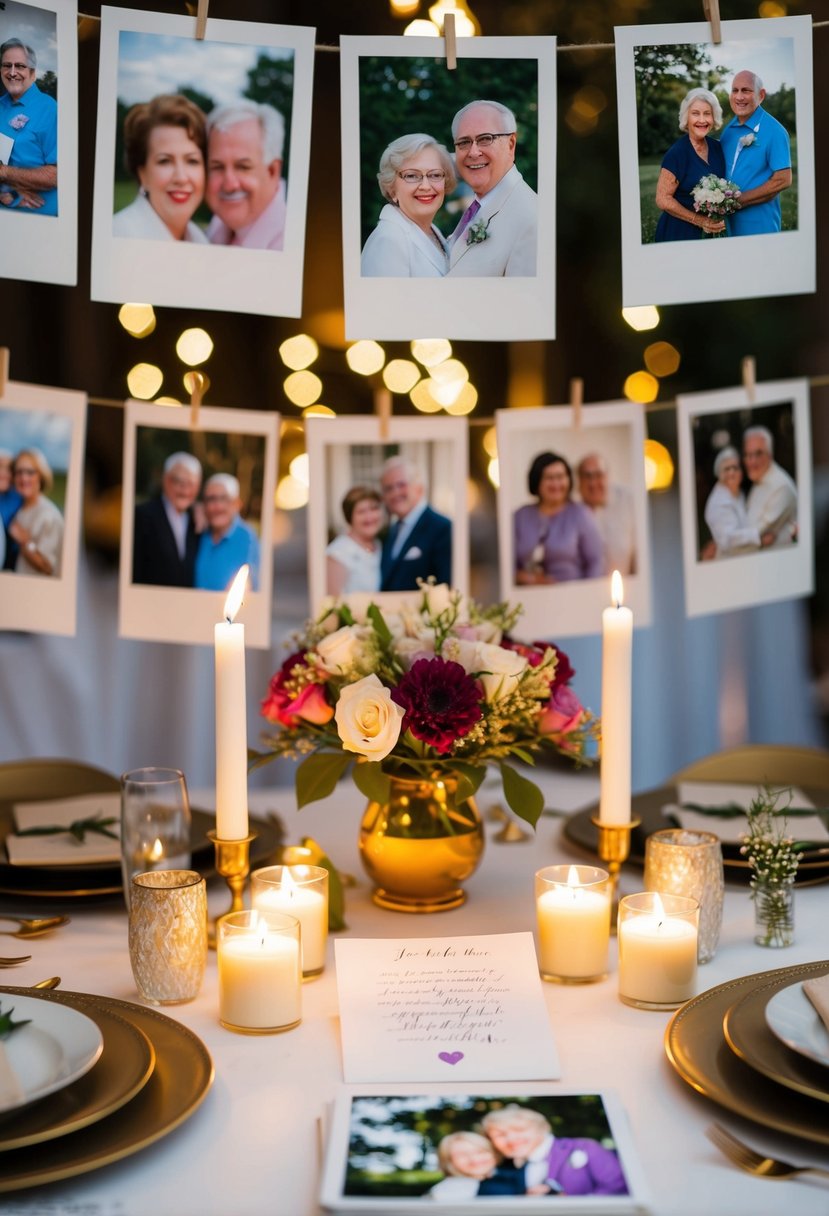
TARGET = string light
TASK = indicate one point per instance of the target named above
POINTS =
(299, 352)
(641, 318)
(641, 387)
(365, 357)
(302, 388)
(194, 346)
(420, 28)
(659, 467)
(466, 23)
(144, 380)
(431, 351)
(400, 375)
(291, 494)
(662, 359)
(137, 319)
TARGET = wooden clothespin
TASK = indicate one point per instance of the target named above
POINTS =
(382, 408)
(449, 40)
(576, 399)
(201, 19)
(711, 9)
(4, 369)
(749, 370)
(197, 384)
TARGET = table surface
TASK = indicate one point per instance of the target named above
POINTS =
(253, 1146)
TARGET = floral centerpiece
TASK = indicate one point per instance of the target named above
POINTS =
(773, 856)
(716, 197)
(435, 688)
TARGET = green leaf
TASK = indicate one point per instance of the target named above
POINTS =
(470, 777)
(523, 796)
(380, 627)
(259, 759)
(336, 890)
(7, 1026)
(372, 782)
(318, 774)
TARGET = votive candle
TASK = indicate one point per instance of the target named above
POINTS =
(573, 914)
(260, 974)
(300, 891)
(657, 949)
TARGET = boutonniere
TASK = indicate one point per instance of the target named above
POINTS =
(19, 121)
(477, 231)
(747, 140)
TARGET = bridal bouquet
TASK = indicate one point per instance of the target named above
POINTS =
(435, 687)
(716, 197)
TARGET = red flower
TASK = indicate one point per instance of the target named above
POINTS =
(441, 702)
(564, 670)
(561, 715)
(290, 701)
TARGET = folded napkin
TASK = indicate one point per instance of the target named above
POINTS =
(63, 848)
(730, 831)
(817, 990)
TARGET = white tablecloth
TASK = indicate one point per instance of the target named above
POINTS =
(252, 1147)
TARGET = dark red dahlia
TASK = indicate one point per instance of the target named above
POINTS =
(564, 670)
(441, 702)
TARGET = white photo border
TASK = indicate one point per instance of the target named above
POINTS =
(32, 602)
(572, 609)
(688, 272)
(745, 580)
(479, 309)
(188, 615)
(323, 433)
(179, 273)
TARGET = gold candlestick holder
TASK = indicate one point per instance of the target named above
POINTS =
(614, 849)
(233, 863)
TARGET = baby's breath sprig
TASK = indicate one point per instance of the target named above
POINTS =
(773, 857)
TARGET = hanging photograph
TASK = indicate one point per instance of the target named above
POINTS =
(446, 176)
(716, 152)
(42, 435)
(201, 166)
(386, 510)
(197, 505)
(39, 141)
(746, 496)
(572, 509)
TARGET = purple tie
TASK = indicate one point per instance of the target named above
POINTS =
(468, 215)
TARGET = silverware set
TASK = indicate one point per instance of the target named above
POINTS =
(28, 927)
(756, 1163)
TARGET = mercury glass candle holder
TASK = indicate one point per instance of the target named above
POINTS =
(689, 863)
(168, 935)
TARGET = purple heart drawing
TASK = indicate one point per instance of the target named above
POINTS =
(450, 1057)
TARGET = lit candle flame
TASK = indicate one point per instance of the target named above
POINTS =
(617, 591)
(157, 851)
(658, 910)
(288, 884)
(572, 877)
(236, 594)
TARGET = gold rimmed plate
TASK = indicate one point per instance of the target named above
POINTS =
(697, 1049)
(181, 1078)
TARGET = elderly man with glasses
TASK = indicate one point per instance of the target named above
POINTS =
(772, 499)
(497, 234)
(28, 134)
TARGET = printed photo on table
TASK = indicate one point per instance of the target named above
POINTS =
(715, 146)
(195, 510)
(38, 141)
(452, 171)
(573, 510)
(206, 156)
(386, 513)
(41, 446)
(745, 472)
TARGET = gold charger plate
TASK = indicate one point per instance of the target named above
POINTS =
(749, 1035)
(696, 1047)
(182, 1076)
(125, 1066)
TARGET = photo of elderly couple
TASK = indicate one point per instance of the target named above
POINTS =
(34, 463)
(456, 168)
(202, 138)
(453, 1150)
(28, 109)
(731, 172)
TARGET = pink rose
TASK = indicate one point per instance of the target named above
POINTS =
(562, 713)
(289, 701)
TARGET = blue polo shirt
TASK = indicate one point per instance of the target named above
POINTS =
(218, 562)
(752, 165)
(32, 122)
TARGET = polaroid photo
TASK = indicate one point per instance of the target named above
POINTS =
(197, 505)
(741, 111)
(456, 1151)
(572, 508)
(386, 509)
(42, 437)
(746, 496)
(39, 141)
(201, 163)
(437, 187)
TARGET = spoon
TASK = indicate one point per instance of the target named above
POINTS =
(50, 983)
(33, 926)
(12, 962)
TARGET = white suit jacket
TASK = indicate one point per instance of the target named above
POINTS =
(511, 222)
(397, 248)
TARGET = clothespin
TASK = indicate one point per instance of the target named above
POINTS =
(382, 408)
(197, 384)
(711, 9)
(449, 40)
(201, 19)
(4, 369)
(749, 370)
(576, 399)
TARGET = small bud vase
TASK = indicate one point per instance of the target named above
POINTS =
(773, 912)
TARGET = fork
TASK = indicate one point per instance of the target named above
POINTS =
(12, 962)
(753, 1162)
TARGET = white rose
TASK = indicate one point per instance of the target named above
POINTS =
(500, 670)
(368, 721)
(438, 597)
(463, 651)
(409, 650)
(339, 651)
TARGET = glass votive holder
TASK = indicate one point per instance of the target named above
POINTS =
(657, 949)
(572, 905)
(155, 823)
(689, 863)
(300, 891)
(260, 971)
(168, 935)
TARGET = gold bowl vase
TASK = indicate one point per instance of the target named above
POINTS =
(421, 845)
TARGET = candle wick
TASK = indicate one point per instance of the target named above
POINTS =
(618, 604)
(229, 620)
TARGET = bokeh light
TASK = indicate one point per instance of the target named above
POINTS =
(291, 494)
(493, 472)
(144, 380)
(644, 317)
(642, 387)
(298, 468)
(299, 352)
(319, 411)
(366, 358)
(422, 399)
(421, 28)
(194, 346)
(490, 441)
(659, 467)
(403, 8)
(400, 375)
(662, 359)
(137, 319)
(465, 401)
(431, 351)
(302, 388)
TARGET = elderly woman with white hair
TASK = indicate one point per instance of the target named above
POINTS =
(725, 509)
(415, 175)
(694, 155)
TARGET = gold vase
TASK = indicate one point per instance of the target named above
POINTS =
(421, 845)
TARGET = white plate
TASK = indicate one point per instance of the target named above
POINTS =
(57, 1046)
(793, 1018)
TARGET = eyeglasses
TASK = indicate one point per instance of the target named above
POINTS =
(15, 67)
(483, 141)
(412, 178)
(756, 455)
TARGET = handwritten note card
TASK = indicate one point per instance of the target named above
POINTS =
(443, 1009)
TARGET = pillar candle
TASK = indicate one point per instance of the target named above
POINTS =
(231, 719)
(617, 645)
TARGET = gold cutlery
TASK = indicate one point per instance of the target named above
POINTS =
(33, 926)
(754, 1162)
(54, 982)
(12, 962)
